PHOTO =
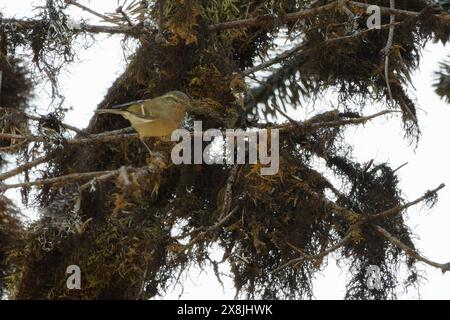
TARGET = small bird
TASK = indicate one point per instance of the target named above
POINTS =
(157, 117)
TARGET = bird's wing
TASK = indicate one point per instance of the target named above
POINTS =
(140, 111)
(148, 120)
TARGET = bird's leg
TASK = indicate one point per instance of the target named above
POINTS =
(148, 148)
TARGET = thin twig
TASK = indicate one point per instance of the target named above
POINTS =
(397, 12)
(100, 178)
(84, 8)
(14, 147)
(360, 33)
(61, 179)
(345, 213)
(319, 256)
(387, 50)
(398, 209)
(124, 16)
(34, 118)
(361, 120)
(24, 167)
(284, 114)
(400, 167)
(410, 251)
(227, 197)
(283, 56)
(115, 132)
(161, 17)
(204, 231)
(251, 22)
(100, 138)
(64, 125)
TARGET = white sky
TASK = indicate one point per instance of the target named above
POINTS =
(85, 84)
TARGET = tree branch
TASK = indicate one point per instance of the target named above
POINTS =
(98, 138)
(245, 23)
(236, 24)
(397, 12)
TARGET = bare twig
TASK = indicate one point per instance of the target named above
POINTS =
(64, 125)
(400, 167)
(345, 213)
(283, 56)
(34, 118)
(24, 167)
(84, 8)
(398, 209)
(122, 171)
(343, 122)
(124, 16)
(115, 132)
(202, 232)
(99, 178)
(284, 114)
(387, 50)
(363, 32)
(316, 257)
(227, 197)
(161, 17)
(103, 175)
(245, 23)
(14, 147)
(411, 252)
(22, 137)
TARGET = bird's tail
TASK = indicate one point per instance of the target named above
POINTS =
(112, 111)
(126, 105)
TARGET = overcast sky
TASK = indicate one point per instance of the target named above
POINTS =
(85, 83)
